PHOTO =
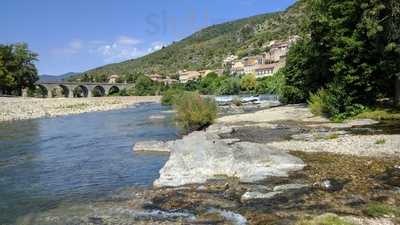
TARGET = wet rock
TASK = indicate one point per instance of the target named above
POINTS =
(330, 185)
(391, 176)
(354, 200)
(287, 187)
(151, 146)
(199, 157)
(255, 195)
(95, 220)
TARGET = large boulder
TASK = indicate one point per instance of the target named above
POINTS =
(201, 156)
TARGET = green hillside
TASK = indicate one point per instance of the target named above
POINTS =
(207, 48)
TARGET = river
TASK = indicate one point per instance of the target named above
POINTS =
(44, 162)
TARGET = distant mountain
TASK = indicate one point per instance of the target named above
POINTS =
(207, 48)
(56, 77)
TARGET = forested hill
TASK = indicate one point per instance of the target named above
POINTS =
(207, 48)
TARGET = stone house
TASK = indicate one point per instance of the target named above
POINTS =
(113, 79)
(186, 76)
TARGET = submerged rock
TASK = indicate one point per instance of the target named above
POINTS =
(151, 146)
(201, 156)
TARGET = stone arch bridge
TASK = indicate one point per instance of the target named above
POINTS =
(80, 89)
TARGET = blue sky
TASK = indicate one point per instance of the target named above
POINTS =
(77, 35)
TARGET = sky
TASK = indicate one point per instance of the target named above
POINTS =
(78, 35)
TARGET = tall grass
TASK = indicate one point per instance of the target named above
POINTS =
(194, 112)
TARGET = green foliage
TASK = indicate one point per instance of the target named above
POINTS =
(143, 86)
(194, 112)
(317, 103)
(380, 142)
(327, 219)
(17, 68)
(170, 96)
(248, 82)
(380, 114)
(209, 84)
(351, 49)
(376, 209)
(229, 86)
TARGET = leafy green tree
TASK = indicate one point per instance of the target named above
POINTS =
(352, 51)
(17, 68)
(248, 82)
(143, 86)
(229, 86)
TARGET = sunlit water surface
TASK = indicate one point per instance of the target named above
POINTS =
(77, 158)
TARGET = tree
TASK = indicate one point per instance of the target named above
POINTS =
(351, 48)
(248, 82)
(17, 68)
(229, 86)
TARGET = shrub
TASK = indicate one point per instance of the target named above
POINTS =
(379, 114)
(193, 112)
(236, 101)
(376, 209)
(380, 141)
(170, 96)
(229, 86)
(248, 82)
(291, 94)
(317, 104)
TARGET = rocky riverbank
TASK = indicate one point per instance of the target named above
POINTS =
(31, 108)
(274, 166)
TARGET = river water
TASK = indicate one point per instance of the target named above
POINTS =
(77, 158)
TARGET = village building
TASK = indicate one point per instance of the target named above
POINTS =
(262, 65)
(162, 79)
(113, 79)
(157, 77)
(186, 76)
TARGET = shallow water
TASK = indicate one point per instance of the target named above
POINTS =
(78, 158)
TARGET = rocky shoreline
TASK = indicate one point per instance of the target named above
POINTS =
(274, 166)
(13, 108)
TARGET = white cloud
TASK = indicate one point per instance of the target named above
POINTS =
(123, 48)
(155, 46)
(73, 47)
(125, 40)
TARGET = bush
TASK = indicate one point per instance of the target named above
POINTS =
(193, 112)
(291, 94)
(376, 209)
(317, 104)
(229, 86)
(170, 96)
(248, 83)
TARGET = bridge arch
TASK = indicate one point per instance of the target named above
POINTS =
(98, 91)
(41, 91)
(113, 90)
(81, 91)
(60, 91)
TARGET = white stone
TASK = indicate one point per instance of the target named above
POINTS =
(258, 195)
(199, 157)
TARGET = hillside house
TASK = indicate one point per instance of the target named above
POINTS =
(262, 65)
(113, 79)
(186, 76)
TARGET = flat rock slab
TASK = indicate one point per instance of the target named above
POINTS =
(201, 156)
(151, 146)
